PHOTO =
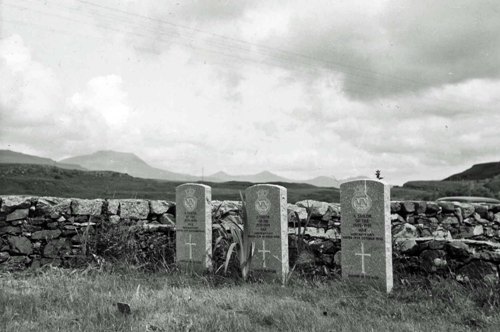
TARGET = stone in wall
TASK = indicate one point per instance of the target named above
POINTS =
(318, 209)
(53, 206)
(160, 207)
(87, 207)
(18, 214)
(10, 203)
(46, 234)
(134, 209)
(113, 206)
(294, 210)
(223, 208)
(20, 245)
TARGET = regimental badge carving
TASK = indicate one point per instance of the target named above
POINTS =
(190, 201)
(262, 204)
(361, 202)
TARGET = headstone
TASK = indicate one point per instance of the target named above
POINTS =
(193, 227)
(366, 233)
(268, 229)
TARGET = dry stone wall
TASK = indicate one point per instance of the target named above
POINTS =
(458, 239)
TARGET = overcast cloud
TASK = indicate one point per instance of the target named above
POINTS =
(297, 88)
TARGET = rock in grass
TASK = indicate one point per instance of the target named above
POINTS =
(4, 256)
(124, 308)
(478, 270)
(306, 257)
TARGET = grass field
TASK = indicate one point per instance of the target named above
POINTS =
(64, 300)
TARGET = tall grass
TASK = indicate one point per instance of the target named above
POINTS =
(54, 299)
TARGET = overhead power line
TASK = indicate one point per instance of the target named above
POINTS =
(215, 44)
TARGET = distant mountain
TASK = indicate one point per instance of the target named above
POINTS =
(477, 172)
(12, 157)
(323, 181)
(126, 163)
(359, 177)
(261, 177)
(266, 176)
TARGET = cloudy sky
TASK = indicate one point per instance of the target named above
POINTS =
(299, 88)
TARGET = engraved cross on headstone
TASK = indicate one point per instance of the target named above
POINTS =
(264, 251)
(362, 254)
(190, 244)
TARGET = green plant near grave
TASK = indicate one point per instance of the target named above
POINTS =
(241, 245)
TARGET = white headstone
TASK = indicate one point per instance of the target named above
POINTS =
(366, 233)
(193, 227)
(268, 230)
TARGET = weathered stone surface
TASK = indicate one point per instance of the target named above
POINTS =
(395, 207)
(114, 219)
(10, 203)
(4, 256)
(224, 207)
(449, 220)
(12, 230)
(406, 245)
(167, 219)
(478, 270)
(318, 209)
(408, 206)
(46, 235)
(56, 248)
(113, 206)
(268, 230)
(407, 231)
(53, 206)
(458, 249)
(87, 207)
(433, 260)
(478, 230)
(292, 209)
(366, 233)
(482, 210)
(18, 214)
(20, 245)
(337, 258)
(432, 208)
(467, 209)
(134, 209)
(194, 227)
(420, 207)
(447, 207)
(305, 257)
(15, 263)
(52, 225)
(332, 212)
(159, 207)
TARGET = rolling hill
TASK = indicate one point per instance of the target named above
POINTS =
(12, 157)
(46, 180)
(268, 177)
(477, 172)
(129, 163)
